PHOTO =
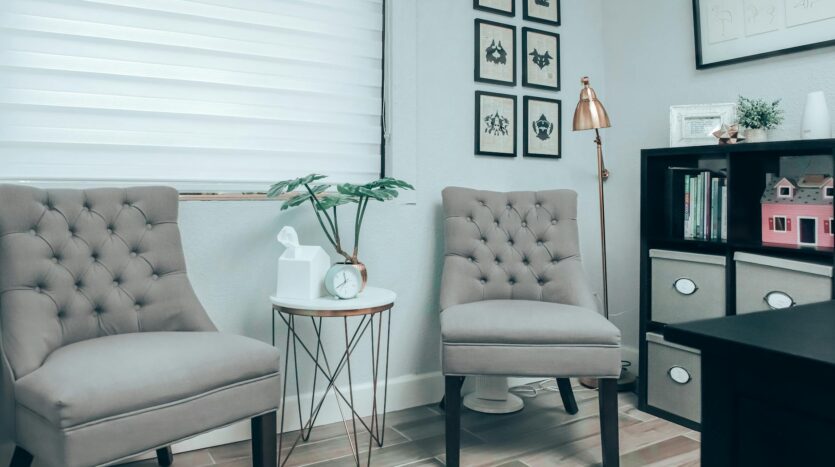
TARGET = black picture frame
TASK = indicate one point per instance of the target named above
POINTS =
(700, 65)
(525, 55)
(526, 15)
(477, 52)
(478, 133)
(528, 125)
(511, 13)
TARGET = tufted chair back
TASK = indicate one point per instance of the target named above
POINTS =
(81, 264)
(520, 245)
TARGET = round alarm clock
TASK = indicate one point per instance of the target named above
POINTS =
(343, 281)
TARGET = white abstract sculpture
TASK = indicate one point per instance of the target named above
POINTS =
(301, 268)
(816, 121)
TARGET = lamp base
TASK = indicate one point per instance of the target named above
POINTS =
(626, 382)
(491, 396)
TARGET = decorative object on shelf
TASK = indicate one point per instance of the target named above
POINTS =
(733, 31)
(301, 268)
(344, 281)
(757, 117)
(495, 124)
(499, 7)
(495, 53)
(816, 121)
(798, 212)
(541, 53)
(543, 127)
(542, 11)
(693, 125)
(325, 205)
(729, 134)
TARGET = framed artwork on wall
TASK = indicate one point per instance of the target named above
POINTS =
(733, 31)
(543, 127)
(495, 124)
(500, 7)
(543, 11)
(693, 125)
(495, 53)
(541, 56)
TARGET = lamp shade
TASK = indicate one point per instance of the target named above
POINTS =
(590, 113)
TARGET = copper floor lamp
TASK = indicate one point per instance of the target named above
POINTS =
(591, 115)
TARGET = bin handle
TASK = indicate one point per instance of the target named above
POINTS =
(679, 375)
(778, 300)
(685, 286)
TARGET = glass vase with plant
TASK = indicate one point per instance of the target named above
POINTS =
(325, 204)
(758, 116)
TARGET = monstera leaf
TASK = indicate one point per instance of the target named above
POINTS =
(333, 200)
(287, 186)
(303, 197)
(388, 182)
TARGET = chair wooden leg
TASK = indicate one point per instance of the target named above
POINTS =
(567, 394)
(453, 420)
(608, 395)
(165, 457)
(20, 458)
(264, 448)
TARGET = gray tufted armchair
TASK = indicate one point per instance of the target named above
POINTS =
(515, 302)
(106, 350)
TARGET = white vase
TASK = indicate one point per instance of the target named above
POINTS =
(816, 121)
(756, 135)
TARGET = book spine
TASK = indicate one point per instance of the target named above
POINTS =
(724, 232)
(707, 205)
(700, 206)
(687, 206)
(714, 209)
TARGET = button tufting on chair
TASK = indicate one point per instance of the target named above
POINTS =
(154, 277)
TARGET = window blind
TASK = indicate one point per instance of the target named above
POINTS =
(201, 94)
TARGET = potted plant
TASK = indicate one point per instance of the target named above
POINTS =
(758, 116)
(325, 204)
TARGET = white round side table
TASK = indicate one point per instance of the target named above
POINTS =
(371, 303)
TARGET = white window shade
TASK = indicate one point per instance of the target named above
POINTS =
(227, 94)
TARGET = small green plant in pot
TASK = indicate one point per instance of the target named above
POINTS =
(758, 116)
(325, 204)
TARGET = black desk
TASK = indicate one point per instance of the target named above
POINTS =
(768, 386)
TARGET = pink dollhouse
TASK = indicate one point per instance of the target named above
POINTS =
(798, 212)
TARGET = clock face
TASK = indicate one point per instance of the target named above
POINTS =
(344, 282)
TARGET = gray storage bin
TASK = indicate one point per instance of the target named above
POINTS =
(767, 283)
(674, 378)
(686, 286)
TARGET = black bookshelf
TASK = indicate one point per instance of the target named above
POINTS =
(745, 166)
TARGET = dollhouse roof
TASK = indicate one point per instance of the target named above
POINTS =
(808, 190)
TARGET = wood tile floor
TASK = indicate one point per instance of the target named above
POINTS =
(542, 434)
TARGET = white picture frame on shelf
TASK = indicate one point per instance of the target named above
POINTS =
(693, 125)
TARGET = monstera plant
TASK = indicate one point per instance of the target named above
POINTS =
(325, 203)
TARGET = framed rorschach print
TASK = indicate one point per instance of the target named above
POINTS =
(495, 124)
(543, 124)
(541, 56)
(495, 53)
(499, 7)
(543, 11)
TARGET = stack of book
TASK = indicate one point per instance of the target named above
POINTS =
(697, 203)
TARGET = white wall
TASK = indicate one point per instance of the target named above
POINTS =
(231, 249)
(650, 65)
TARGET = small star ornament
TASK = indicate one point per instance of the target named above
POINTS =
(729, 134)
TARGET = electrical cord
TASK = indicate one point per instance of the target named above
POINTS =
(531, 390)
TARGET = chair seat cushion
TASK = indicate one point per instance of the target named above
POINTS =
(123, 374)
(528, 338)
